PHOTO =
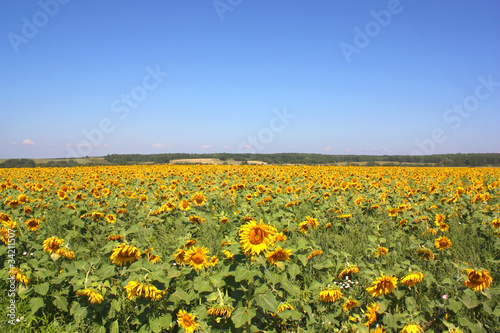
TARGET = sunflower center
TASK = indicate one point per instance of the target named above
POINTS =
(198, 258)
(256, 236)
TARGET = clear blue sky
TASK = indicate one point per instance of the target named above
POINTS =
(375, 77)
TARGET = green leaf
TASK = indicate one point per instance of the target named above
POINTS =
(242, 316)
(294, 270)
(42, 289)
(114, 327)
(61, 303)
(325, 264)
(267, 302)
(469, 301)
(116, 304)
(77, 310)
(455, 306)
(242, 273)
(290, 288)
(36, 303)
(181, 295)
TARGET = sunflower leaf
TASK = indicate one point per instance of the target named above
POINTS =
(242, 316)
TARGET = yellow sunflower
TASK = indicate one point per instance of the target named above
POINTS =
(187, 321)
(425, 254)
(32, 224)
(20, 277)
(184, 205)
(348, 271)
(125, 254)
(383, 285)
(134, 288)
(110, 218)
(330, 295)
(314, 253)
(372, 313)
(94, 296)
(349, 305)
(412, 279)
(478, 280)
(412, 328)
(52, 244)
(197, 257)
(442, 243)
(180, 257)
(255, 238)
(198, 199)
(279, 254)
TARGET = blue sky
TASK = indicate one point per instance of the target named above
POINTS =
(375, 77)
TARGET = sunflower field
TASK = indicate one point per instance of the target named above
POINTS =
(216, 248)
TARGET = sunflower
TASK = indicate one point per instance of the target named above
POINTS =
(314, 253)
(255, 238)
(412, 279)
(180, 257)
(284, 306)
(495, 224)
(229, 256)
(224, 220)
(372, 313)
(187, 321)
(412, 328)
(279, 254)
(20, 277)
(28, 210)
(439, 219)
(32, 224)
(196, 219)
(349, 305)
(393, 212)
(79, 197)
(197, 258)
(151, 257)
(110, 218)
(184, 205)
(378, 330)
(443, 226)
(442, 243)
(221, 310)
(381, 251)
(279, 237)
(65, 253)
(383, 285)
(348, 271)
(425, 254)
(52, 244)
(330, 295)
(94, 296)
(198, 199)
(124, 254)
(4, 233)
(114, 238)
(190, 243)
(478, 280)
(134, 288)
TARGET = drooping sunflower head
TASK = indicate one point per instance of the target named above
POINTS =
(478, 280)
(383, 285)
(330, 295)
(314, 253)
(412, 279)
(255, 238)
(187, 321)
(348, 271)
(125, 254)
(94, 296)
(52, 244)
(372, 313)
(349, 305)
(425, 254)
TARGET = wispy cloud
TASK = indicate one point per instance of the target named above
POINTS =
(28, 142)
(206, 146)
(158, 145)
(226, 147)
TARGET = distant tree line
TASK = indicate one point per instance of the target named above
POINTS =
(449, 160)
(457, 160)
